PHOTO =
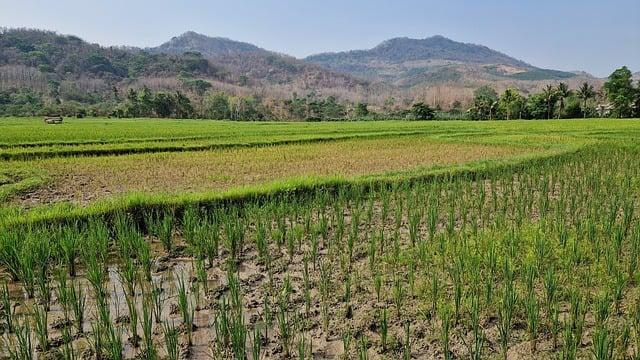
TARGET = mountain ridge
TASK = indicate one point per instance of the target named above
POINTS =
(410, 62)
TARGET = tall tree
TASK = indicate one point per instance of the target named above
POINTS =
(422, 111)
(485, 100)
(585, 93)
(620, 92)
(361, 110)
(511, 102)
(562, 92)
(549, 93)
(216, 106)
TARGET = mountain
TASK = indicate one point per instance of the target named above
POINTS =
(48, 62)
(206, 45)
(70, 68)
(436, 69)
(251, 65)
(410, 62)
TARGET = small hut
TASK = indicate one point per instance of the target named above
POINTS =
(53, 119)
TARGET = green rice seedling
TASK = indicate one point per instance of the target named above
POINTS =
(313, 239)
(372, 253)
(476, 348)
(201, 274)
(435, 293)
(256, 343)
(235, 228)
(554, 323)
(456, 276)
(384, 329)
(347, 293)
(625, 338)
(44, 291)
(533, 319)
(11, 243)
(171, 340)
(223, 324)
(363, 348)
(78, 303)
(185, 307)
(40, 319)
(267, 315)
(129, 275)
(68, 241)
(42, 259)
(303, 352)
(298, 234)
(21, 348)
(307, 287)
(96, 339)
(412, 277)
(602, 308)
(208, 238)
(190, 220)
(63, 293)
(26, 271)
(619, 284)
(603, 343)
(165, 230)
(396, 248)
(506, 311)
(238, 336)
(635, 324)
(284, 330)
(377, 284)
(157, 299)
(133, 320)
(147, 327)
(406, 348)
(114, 346)
(492, 264)
(398, 295)
(68, 353)
(8, 310)
(291, 246)
(551, 287)
(414, 221)
(346, 343)
(445, 331)
(575, 322)
(145, 259)
(260, 238)
(97, 240)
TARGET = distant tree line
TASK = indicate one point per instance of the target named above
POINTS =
(619, 97)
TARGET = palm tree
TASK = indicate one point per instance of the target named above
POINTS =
(562, 92)
(549, 93)
(585, 92)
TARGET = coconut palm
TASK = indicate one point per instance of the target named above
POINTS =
(562, 92)
(549, 93)
(585, 92)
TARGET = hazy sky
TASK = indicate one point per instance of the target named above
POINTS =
(591, 35)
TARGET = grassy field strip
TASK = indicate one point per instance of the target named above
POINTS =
(125, 149)
(25, 131)
(84, 179)
(135, 202)
(75, 131)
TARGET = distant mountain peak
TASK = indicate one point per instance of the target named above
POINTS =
(206, 45)
(408, 62)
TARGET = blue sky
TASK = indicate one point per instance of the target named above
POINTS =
(591, 35)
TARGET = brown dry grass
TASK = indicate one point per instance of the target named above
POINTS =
(84, 179)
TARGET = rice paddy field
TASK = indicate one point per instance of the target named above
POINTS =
(187, 239)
